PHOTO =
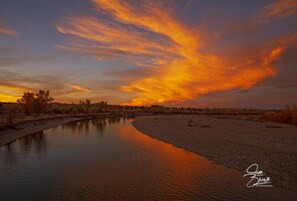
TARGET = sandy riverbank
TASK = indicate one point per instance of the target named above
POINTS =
(10, 135)
(231, 142)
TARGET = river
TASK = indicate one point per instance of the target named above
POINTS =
(108, 159)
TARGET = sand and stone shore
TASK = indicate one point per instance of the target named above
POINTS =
(231, 142)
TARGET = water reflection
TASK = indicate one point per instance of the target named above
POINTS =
(115, 120)
(99, 125)
(9, 154)
(78, 126)
(37, 142)
(34, 143)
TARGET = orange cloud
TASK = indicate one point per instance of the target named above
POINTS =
(8, 98)
(280, 9)
(181, 68)
(4, 30)
(11, 93)
(109, 40)
(79, 88)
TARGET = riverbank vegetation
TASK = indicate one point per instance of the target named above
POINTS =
(32, 106)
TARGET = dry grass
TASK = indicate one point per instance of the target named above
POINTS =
(287, 115)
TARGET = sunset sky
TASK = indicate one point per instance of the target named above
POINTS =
(223, 53)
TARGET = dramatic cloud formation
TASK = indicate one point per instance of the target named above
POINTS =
(180, 62)
(169, 52)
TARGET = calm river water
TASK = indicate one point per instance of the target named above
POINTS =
(108, 159)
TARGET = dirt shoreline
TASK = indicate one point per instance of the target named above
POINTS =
(27, 128)
(31, 125)
(231, 142)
